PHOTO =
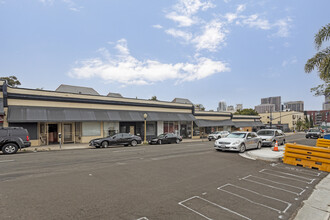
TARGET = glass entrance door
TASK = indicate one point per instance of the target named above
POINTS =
(68, 137)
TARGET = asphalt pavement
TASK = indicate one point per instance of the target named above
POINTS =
(175, 181)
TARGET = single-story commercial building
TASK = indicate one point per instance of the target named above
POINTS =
(81, 114)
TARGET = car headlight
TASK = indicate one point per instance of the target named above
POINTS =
(237, 142)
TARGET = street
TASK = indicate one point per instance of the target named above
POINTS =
(175, 181)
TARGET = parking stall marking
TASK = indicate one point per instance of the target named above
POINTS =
(143, 218)
(306, 172)
(289, 176)
(216, 215)
(287, 204)
(250, 179)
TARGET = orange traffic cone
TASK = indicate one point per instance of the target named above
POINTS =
(276, 147)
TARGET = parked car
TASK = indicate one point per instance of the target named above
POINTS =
(167, 138)
(314, 133)
(13, 138)
(238, 141)
(117, 139)
(270, 136)
(218, 134)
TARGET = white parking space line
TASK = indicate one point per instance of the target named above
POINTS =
(287, 176)
(307, 172)
(250, 179)
(287, 204)
(119, 151)
(143, 218)
(212, 203)
(5, 161)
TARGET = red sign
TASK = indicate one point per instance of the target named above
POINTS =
(1, 118)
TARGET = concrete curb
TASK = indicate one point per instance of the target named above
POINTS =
(265, 154)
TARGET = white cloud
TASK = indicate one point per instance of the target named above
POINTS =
(70, 3)
(292, 60)
(126, 69)
(185, 10)
(233, 16)
(283, 26)
(183, 20)
(157, 26)
(179, 34)
(213, 35)
(255, 21)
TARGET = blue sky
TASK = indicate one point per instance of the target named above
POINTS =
(206, 51)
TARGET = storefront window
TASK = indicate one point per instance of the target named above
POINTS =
(91, 128)
(151, 129)
(109, 129)
(196, 130)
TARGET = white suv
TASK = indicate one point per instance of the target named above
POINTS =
(218, 134)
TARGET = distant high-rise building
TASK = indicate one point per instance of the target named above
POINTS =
(326, 104)
(297, 106)
(264, 108)
(222, 107)
(273, 100)
(230, 108)
(239, 107)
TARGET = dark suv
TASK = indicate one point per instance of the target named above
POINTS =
(13, 138)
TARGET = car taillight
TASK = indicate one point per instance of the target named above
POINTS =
(27, 138)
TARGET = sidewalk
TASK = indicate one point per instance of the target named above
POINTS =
(317, 206)
(55, 147)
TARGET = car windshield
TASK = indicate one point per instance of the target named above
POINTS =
(216, 132)
(266, 133)
(313, 130)
(161, 136)
(236, 135)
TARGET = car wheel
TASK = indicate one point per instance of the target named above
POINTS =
(133, 143)
(10, 148)
(159, 142)
(258, 145)
(177, 141)
(242, 148)
(105, 144)
(209, 139)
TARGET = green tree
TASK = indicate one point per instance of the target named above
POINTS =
(12, 80)
(246, 111)
(311, 123)
(154, 98)
(321, 61)
(300, 124)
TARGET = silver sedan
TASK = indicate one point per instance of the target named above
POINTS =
(238, 141)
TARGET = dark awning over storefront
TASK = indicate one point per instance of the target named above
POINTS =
(209, 123)
(239, 124)
(46, 114)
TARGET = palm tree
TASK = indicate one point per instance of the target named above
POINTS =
(321, 61)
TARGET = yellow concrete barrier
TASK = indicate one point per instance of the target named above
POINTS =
(323, 143)
(307, 156)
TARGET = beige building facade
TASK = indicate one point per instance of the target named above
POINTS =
(287, 117)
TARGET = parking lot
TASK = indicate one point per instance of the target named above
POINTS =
(176, 181)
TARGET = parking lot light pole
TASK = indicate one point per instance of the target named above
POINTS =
(145, 127)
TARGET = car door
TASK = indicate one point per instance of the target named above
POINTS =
(278, 137)
(116, 139)
(255, 139)
(249, 141)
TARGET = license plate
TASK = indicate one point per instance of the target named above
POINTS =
(223, 145)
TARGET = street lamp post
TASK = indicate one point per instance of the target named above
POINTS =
(145, 127)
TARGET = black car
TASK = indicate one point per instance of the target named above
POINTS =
(167, 138)
(117, 139)
(13, 138)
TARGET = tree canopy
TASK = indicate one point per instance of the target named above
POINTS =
(246, 111)
(11, 80)
(154, 98)
(321, 61)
